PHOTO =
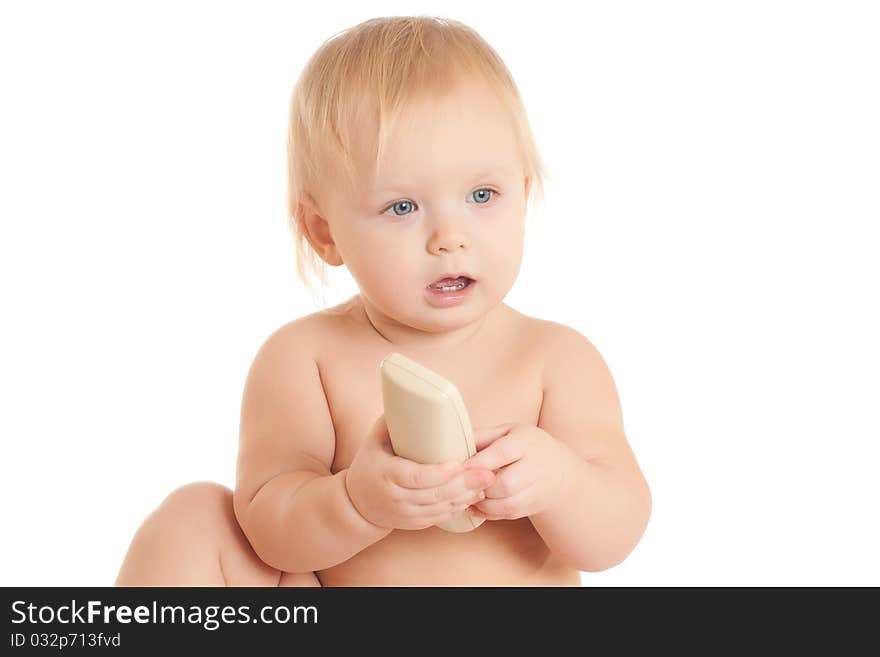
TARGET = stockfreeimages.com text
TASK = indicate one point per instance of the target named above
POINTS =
(210, 617)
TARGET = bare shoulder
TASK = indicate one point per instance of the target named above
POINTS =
(312, 326)
(565, 342)
(571, 358)
(556, 343)
(580, 402)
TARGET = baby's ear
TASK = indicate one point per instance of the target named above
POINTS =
(316, 230)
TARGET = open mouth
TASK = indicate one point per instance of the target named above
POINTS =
(451, 284)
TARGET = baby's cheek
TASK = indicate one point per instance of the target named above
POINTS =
(390, 269)
(365, 256)
(386, 278)
(503, 268)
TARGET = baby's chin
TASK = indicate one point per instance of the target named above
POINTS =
(421, 315)
(444, 320)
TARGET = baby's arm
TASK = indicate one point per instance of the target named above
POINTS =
(303, 521)
(295, 513)
(608, 502)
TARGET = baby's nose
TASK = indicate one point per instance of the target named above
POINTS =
(446, 239)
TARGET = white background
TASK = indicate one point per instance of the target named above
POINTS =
(710, 224)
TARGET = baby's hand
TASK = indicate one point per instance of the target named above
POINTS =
(533, 467)
(397, 493)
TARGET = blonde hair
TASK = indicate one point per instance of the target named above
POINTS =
(381, 66)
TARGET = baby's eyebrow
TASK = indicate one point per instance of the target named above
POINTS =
(486, 173)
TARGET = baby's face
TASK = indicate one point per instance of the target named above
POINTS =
(449, 197)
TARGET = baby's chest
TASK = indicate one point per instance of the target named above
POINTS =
(494, 392)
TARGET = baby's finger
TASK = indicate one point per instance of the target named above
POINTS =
(441, 510)
(466, 483)
(487, 435)
(505, 450)
(505, 508)
(421, 517)
(469, 498)
(510, 480)
(409, 474)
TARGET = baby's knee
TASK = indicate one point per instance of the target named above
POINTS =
(198, 505)
(198, 495)
(182, 539)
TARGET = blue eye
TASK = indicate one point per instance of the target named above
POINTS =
(484, 192)
(488, 195)
(397, 205)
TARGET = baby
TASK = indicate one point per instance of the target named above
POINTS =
(411, 162)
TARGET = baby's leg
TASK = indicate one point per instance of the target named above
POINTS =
(194, 539)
